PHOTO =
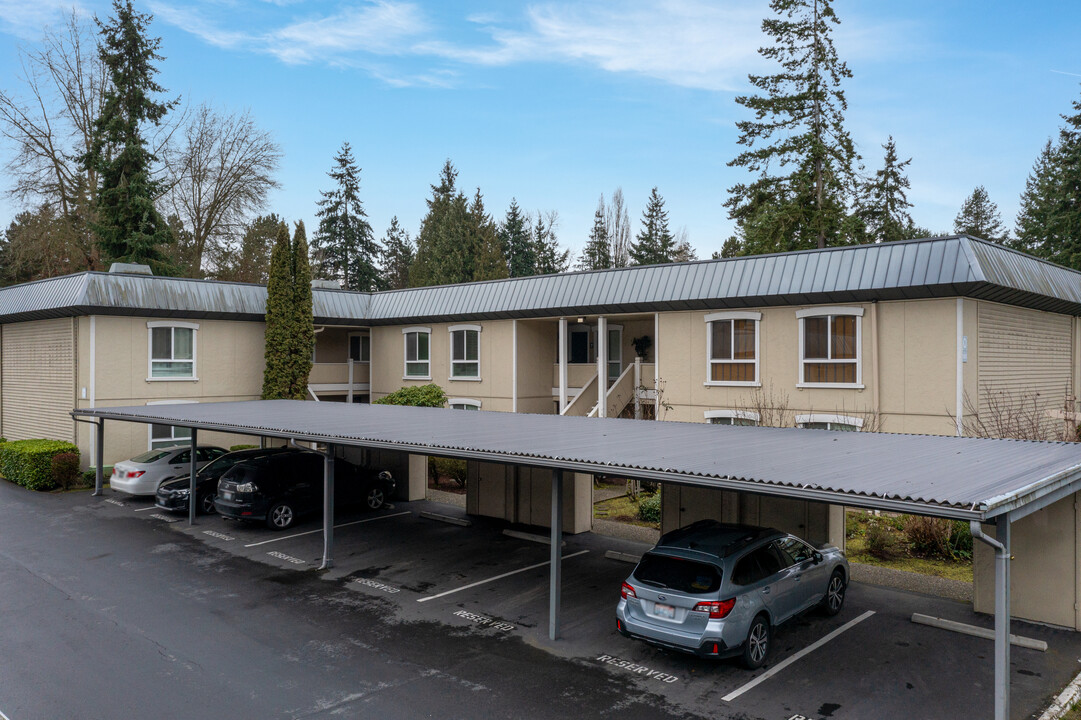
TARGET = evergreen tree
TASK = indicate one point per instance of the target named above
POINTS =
(885, 202)
(344, 247)
(441, 253)
(302, 317)
(597, 254)
(1035, 228)
(682, 250)
(128, 226)
(551, 258)
(980, 218)
(654, 243)
(799, 113)
(398, 254)
(279, 303)
(517, 244)
(488, 261)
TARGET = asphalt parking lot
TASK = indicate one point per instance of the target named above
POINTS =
(869, 661)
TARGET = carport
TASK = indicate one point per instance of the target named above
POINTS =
(975, 480)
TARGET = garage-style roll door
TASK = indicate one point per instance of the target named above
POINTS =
(38, 380)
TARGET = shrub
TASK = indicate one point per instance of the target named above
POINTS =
(430, 395)
(649, 509)
(446, 467)
(961, 541)
(931, 537)
(234, 448)
(29, 462)
(882, 540)
(65, 469)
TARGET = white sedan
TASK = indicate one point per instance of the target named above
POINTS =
(142, 474)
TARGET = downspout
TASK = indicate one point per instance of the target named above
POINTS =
(1002, 611)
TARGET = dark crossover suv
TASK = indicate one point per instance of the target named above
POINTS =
(278, 489)
(718, 590)
(173, 493)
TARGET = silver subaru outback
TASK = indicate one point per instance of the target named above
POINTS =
(719, 590)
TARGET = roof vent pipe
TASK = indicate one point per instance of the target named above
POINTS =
(119, 268)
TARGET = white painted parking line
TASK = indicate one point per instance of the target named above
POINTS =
(4, 717)
(793, 658)
(313, 532)
(497, 577)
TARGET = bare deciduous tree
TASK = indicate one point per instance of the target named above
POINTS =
(218, 173)
(617, 222)
(770, 406)
(1021, 415)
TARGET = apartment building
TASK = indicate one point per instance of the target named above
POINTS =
(907, 337)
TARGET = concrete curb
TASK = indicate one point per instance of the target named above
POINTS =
(542, 539)
(446, 519)
(622, 557)
(1066, 699)
(974, 631)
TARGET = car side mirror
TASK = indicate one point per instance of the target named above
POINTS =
(817, 557)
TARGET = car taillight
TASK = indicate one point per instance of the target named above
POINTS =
(136, 474)
(627, 591)
(716, 609)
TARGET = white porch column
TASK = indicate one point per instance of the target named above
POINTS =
(602, 366)
(562, 364)
(656, 366)
(514, 366)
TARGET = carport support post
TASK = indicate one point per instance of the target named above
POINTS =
(191, 477)
(556, 579)
(99, 457)
(328, 508)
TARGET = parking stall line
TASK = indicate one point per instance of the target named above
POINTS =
(789, 660)
(313, 532)
(497, 577)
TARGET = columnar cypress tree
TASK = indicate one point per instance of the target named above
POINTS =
(344, 246)
(128, 226)
(800, 114)
(885, 204)
(597, 254)
(980, 218)
(279, 309)
(654, 243)
(398, 254)
(517, 244)
(302, 317)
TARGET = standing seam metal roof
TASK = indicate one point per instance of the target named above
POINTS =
(933, 267)
(963, 478)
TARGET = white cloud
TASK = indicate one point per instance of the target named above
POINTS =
(28, 20)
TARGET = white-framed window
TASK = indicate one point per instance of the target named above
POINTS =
(360, 347)
(830, 340)
(463, 404)
(464, 352)
(171, 350)
(163, 436)
(732, 417)
(818, 421)
(418, 353)
(732, 348)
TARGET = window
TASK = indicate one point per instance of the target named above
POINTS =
(758, 565)
(465, 352)
(829, 342)
(163, 436)
(677, 574)
(418, 353)
(732, 348)
(829, 422)
(463, 404)
(732, 417)
(795, 551)
(360, 348)
(172, 350)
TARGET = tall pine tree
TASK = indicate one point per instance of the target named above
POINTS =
(551, 258)
(654, 243)
(517, 244)
(597, 254)
(488, 261)
(1036, 231)
(344, 247)
(128, 226)
(442, 256)
(885, 202)
(980, 218)
(398, 254)
(797, 143)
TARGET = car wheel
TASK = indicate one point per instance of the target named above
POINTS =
(281, 516)
(835, 594)
(207, 504)
(375, 498)
(756, 648)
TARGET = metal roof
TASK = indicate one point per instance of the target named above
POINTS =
(955, 266)
(963, 478)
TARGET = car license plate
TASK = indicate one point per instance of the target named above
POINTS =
(665, 611)
(226, 495)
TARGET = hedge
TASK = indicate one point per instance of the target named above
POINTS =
(29, 462)
(234, 448)
(430, 395)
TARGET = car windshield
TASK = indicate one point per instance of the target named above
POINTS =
(220, 465)
(150, 456)
(679, 574)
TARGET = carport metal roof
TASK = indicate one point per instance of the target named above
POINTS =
(961, 478)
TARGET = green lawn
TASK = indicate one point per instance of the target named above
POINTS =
(856, 550)
(621, 509)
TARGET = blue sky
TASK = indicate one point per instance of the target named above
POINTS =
(555, 103)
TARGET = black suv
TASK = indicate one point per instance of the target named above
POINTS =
(173, 493)
(278, 489)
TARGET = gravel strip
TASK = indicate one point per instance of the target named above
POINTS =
(625, 531)
(914, 582)
(447, 498)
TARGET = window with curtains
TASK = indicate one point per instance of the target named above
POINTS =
(418, 354)
(465, 353)
(172, 352)
(830, 347)
(732, 339)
